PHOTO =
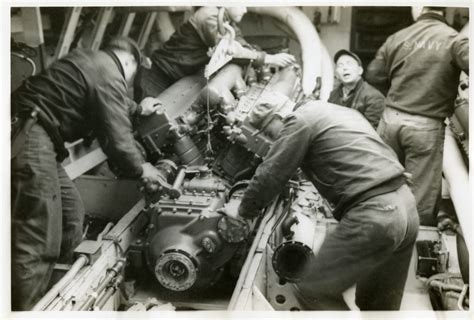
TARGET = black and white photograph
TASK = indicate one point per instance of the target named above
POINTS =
(240, 159)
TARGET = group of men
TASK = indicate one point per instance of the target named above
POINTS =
(337, 148)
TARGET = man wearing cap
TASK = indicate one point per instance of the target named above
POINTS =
(350, 165)
(419, 66)
(81, 94)
(353, 92)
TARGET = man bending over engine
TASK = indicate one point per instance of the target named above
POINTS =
(349, 164)
(82, 93)
(186, 52)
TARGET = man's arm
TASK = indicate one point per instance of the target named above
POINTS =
(377, 73)
(114, 128)
(281, 162)
(460, 52)
(375, 103)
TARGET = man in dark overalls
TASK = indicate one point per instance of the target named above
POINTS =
(186, 52)
(350, 165)
(83, 93)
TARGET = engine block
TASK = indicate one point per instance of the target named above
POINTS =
(207, 140)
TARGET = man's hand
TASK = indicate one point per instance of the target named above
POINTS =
(150, 173)
(280, 59)
(233, 228)
(149, 105)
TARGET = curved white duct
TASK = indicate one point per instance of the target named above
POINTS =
(310, 45)
(327, 76)
(457, 177)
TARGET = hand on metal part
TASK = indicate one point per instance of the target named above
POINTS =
(236, 50)
(280, 59)
(150, 105)
(232, 227)
(151, 178)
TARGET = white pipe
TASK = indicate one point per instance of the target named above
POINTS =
(327, 77)
(457, 177)
(61, 284)
(312, 53)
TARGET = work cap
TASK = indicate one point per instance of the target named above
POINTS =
(348, 53)
(125, 44)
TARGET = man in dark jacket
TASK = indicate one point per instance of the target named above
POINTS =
(420, 67)
(186, 52)
(350, 165)
(353, 92)
(84, 92)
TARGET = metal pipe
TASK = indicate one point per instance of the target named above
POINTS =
(311, 47)
(179, 178)
(457, 178)
(102, 300)
(110, 275)
(296, 251)
(462, 296)
(54, 291)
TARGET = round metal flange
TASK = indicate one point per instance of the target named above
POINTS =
(176, 270)
(290, 259)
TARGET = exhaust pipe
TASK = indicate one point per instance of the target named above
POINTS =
(311, 47)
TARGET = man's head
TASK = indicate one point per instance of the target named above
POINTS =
(236, 13)
(128, 53)
(417, 11)
(348, 67)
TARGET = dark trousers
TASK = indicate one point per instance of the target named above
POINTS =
(418, 142)
(150, 83)
(46, 218)
(371, 247)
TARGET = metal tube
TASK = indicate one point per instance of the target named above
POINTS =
(179, 178)
(462, 296)
(111, 274)
(311, 47)
(457, 177)
(53, 292)
(102, 300)
(295, 252)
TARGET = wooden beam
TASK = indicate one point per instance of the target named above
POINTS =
(146, 29)
(101, 25)
(32, 26)
(67, 33)
(126, 24)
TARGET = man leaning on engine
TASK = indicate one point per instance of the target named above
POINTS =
(83, 93)
(349, 164)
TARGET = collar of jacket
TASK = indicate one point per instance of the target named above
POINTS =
(354, 89)
(433, 16)
(116, 60)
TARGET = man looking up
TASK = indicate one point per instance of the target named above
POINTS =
(353, 92)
